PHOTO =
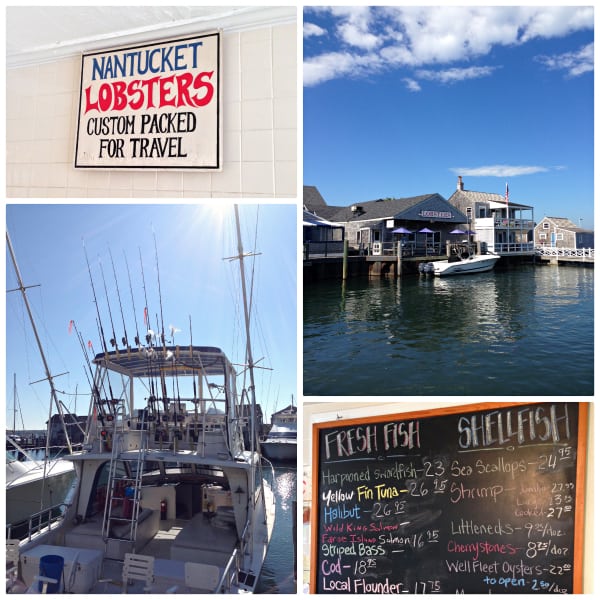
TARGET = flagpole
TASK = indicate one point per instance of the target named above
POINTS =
(507, 218)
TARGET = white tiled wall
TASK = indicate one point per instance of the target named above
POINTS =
(259, 129)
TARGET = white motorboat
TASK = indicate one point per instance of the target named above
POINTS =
(170, 497)
(280, 445)
(33, 486)
(462, 264)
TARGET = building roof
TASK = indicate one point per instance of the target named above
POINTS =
(399, 208)
(382, 208)
(564, 223)
(312, 196)
(483, 198)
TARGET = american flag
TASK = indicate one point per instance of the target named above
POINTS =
(506, 194)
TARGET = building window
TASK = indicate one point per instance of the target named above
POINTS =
(560, 237)
(546, 225)
(543, 236)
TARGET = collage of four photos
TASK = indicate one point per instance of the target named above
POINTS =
(299, 299)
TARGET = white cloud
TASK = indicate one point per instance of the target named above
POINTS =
(499, 171)
(310, 30)
(412, 85)
(336, 64)
(575, 63)
(355, 34)
(455, 74)
(413, 36)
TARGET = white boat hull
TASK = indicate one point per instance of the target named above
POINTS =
(27, 492)
(473, 264)
(279, 451)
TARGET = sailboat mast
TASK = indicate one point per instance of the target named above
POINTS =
(49, 376)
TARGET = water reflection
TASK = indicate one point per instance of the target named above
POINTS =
(490, 333)
(277, 576)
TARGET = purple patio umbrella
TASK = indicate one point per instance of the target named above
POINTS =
(425, 230)
(401, 230)
(457, 232)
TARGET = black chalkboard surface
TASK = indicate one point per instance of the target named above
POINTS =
(482, 498)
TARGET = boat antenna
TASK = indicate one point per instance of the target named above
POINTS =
(95, 299)
(124, 341)
(113, 341)
(137, 333)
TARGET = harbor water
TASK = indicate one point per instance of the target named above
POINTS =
(526, 331)
(277, 576)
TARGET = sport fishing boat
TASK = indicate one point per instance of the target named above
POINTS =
(170, 498)
(280, 445)
(461, 264)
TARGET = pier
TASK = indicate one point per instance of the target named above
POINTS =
(566, 255)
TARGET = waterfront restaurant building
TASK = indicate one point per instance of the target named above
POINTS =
(151, 101)
(422, 224)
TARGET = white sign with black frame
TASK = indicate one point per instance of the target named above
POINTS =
(156, 105)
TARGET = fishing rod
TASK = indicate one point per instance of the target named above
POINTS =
(113, 341)
(99, 319)
(152, 374)
(95, 391)
(124, 340)
(137, 333)
(162, 321)
(162, 331)
(146, 319)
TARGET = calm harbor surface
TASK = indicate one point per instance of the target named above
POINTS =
(527, 330)
(277, 576)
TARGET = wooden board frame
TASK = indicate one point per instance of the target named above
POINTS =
(580, 487)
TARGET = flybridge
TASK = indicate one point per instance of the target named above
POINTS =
(141, 62)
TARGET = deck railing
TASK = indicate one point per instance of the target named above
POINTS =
(323, 249)
(513, 247)
(583, 253)
(44, 520)
(408, 249)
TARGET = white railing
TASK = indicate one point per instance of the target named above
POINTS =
(583, 253)
(41, 521)
(513, 247)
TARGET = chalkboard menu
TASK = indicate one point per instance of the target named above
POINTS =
(482, 498)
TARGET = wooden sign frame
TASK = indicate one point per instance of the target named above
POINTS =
(580, 473)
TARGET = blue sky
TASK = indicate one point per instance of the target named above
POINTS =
(400, 101)
(195, 281)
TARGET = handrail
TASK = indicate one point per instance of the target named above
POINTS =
(37, 521)
(565, 252)
(233, 564)
(224, 585)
